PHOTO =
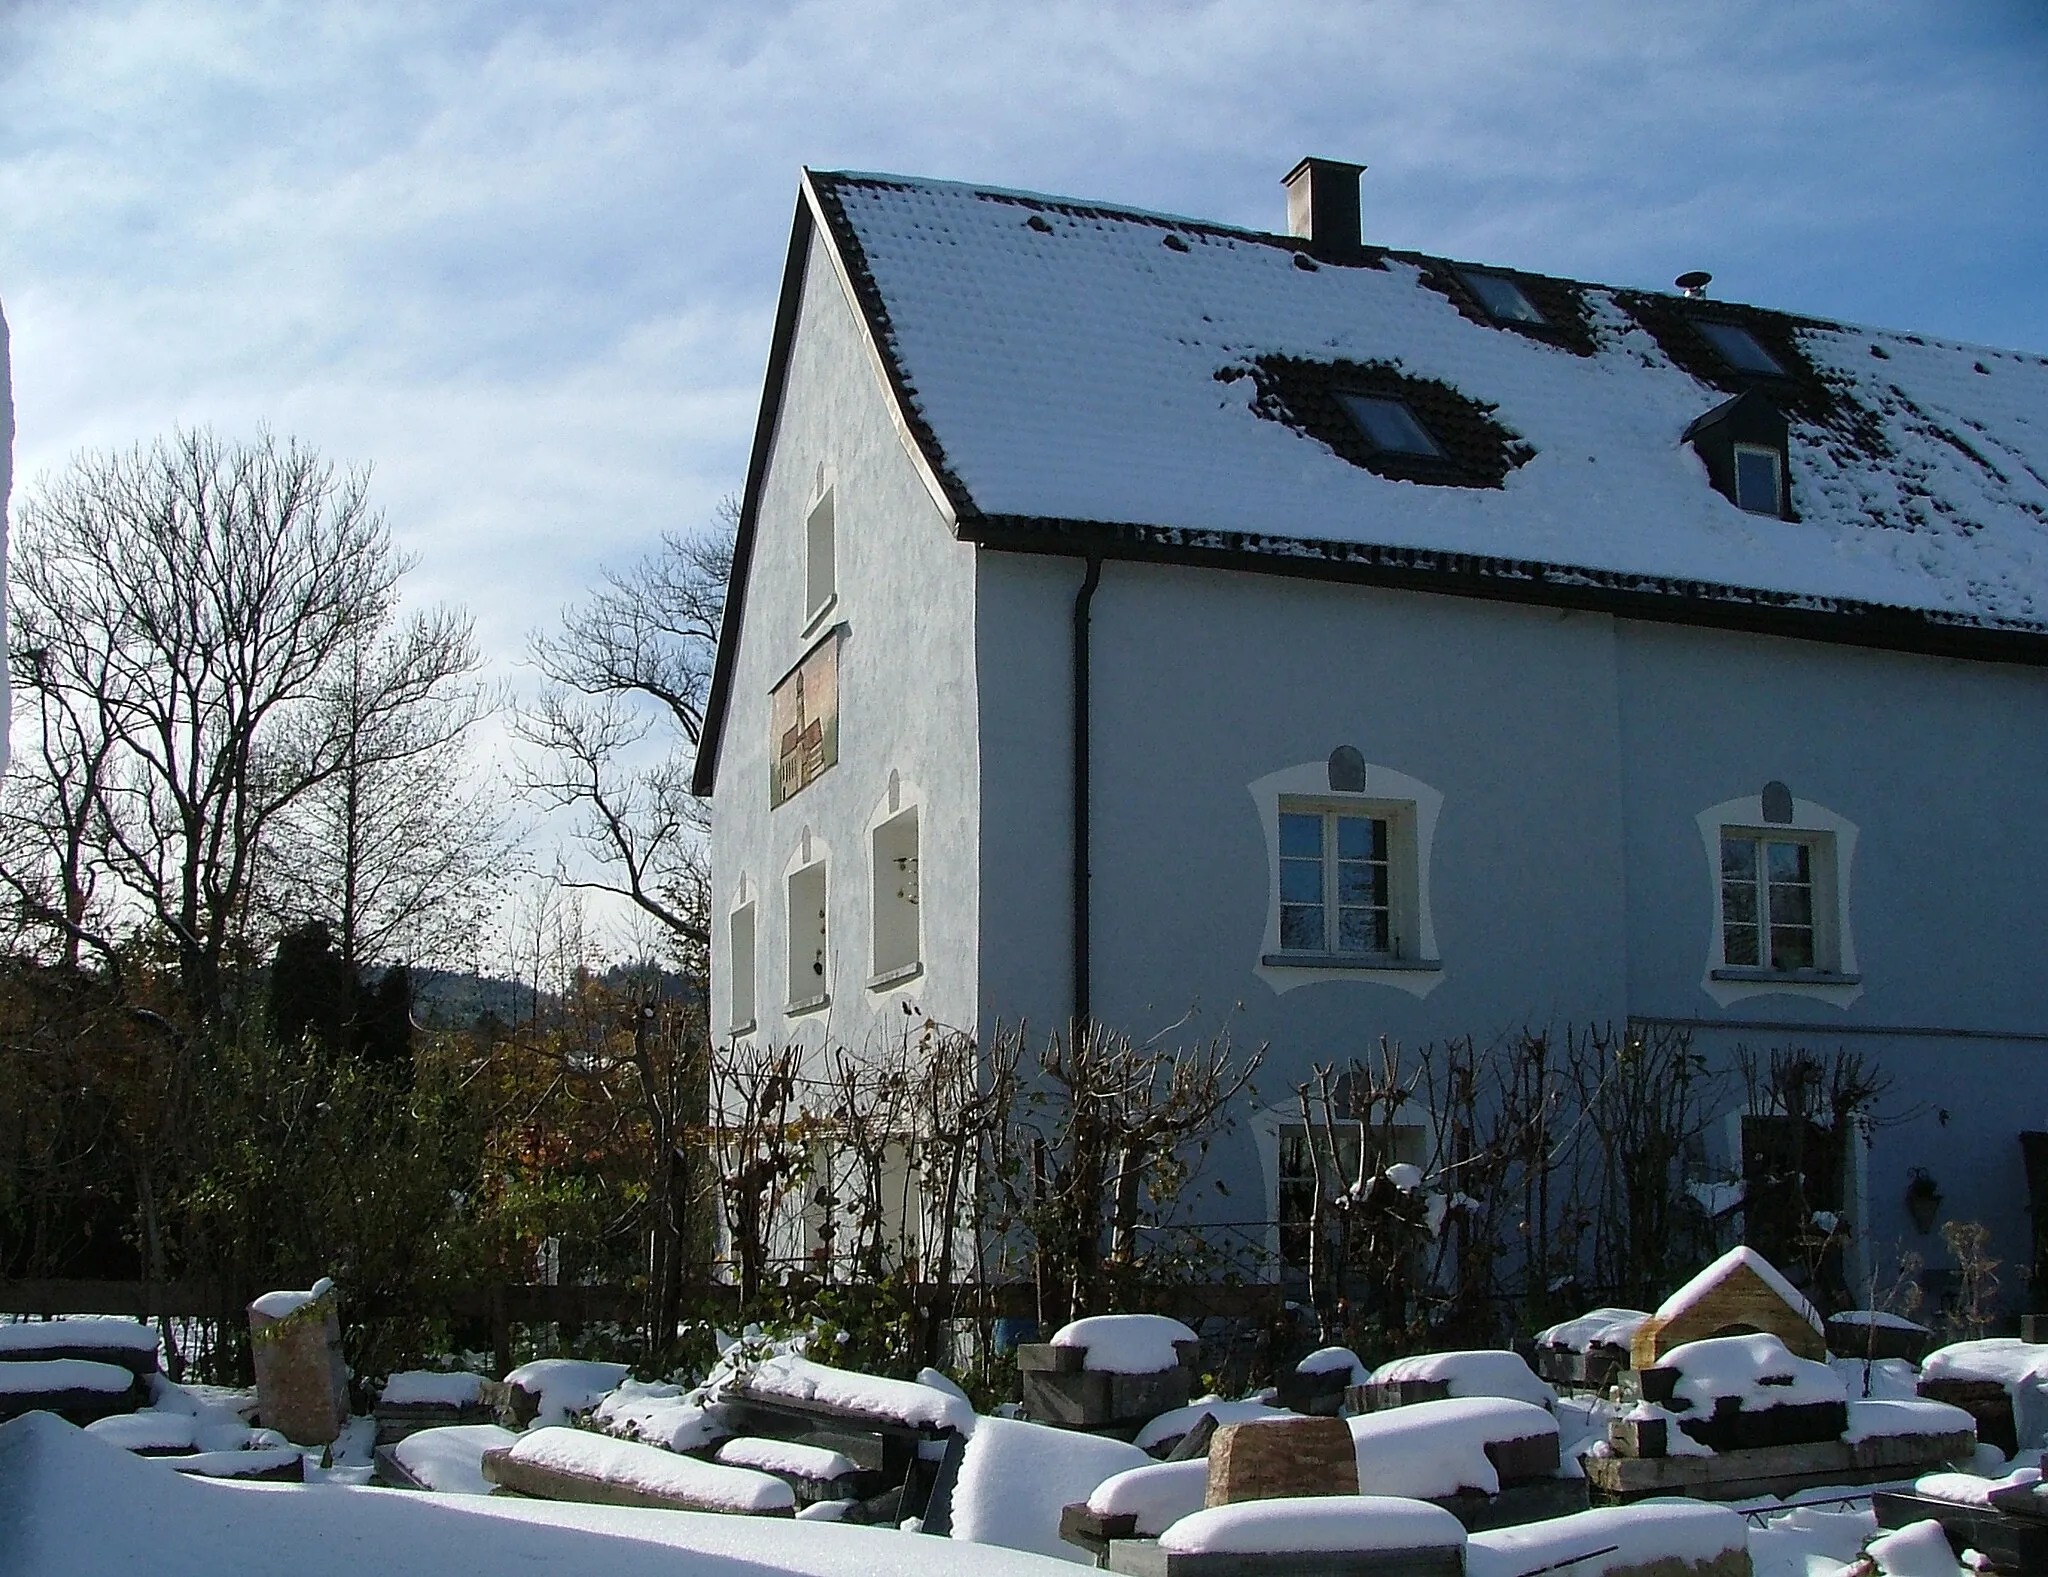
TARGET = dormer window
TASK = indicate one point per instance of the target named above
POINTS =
(1758, 480)
(1739, 348)
(1502, 298)
(1389, 426)
(1744, 443)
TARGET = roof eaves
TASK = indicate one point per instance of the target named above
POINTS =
(1656, 599)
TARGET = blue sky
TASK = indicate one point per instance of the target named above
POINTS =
(522, 257)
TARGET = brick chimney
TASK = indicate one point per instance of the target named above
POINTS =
(1322, 207)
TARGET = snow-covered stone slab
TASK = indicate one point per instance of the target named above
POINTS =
(272, 1465)
(816, 1473)
(447, 1461)
(128, 1344)
(1317, 1385)
(1016, 1479)
(1164, 1432)
(1468, 1445)
(556, 1463)
(1129, 1343)
(79, 1389)
(1661, 1539)
(1356, 1535)
(2014, 1415)
(2009, 1543)
(1735, 1393)
(1110, 1371)
(150, 1433)
(1872, 1333)
(1482, 1373)
(660, 1415)
(417, 1399)
(1142, 1502)
(1742, 1290)
(555, 1390)
(792, 1381)
(1589, 1351)
(1284, 1459)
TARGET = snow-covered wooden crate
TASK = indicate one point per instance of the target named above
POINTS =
(1327, 1536)
(1740, 1292)
(1109, 1372)
(558, 1463)
(418, 1399)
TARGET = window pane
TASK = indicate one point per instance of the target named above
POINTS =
(1361, 930)
(1756, 481)
(1301, 927)
(1301, 881)
(1361, 838)
(1361, 882)
(1503, 298)
(1738, 946)
(1389, 424)
(1301, 835)
(1791, 905)
(1739, 348)
(1738, 901)
(1789, 862)
(1791, 947)
(1738, 858)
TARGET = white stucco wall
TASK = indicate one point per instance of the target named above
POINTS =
(905, 595)
(6, 483)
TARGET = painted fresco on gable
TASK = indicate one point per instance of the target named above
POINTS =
(803, 715)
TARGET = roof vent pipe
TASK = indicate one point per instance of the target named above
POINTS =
(1694, 284)
(1322, 207)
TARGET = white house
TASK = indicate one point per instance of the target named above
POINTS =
(1138, 617)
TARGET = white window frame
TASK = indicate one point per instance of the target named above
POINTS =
(1411, 808)
(893, 888)
(1831, 840)
(809, 979)
(1397, 818)
(1777, 506)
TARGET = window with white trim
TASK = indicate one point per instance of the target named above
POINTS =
(821, 578)
(739, 970)
(895, 899)
(1759, 480)
(1776, 900)
(808, 984)
(1346, 880)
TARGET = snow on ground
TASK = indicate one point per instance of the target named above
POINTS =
(1319, 1522)
(1016, 1476)
(1601, 1327)
(1431, 1449)
(1790, 1541)
(58, 1486)
(1126, 1343)
(1473, 1374)
(1689, 1294)
(652, 1470)
(451, 1459)
(432, 1387)
(1174, 1424)
(91, 1334)
(566, 1386)
(1919, 1549)
(905, 1401)
(1680, 1530)
(1158, 1495)
(43, 1376)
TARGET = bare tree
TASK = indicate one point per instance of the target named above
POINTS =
(184, 606)
(615, 728)
(401, 849)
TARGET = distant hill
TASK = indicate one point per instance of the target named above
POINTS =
(455, 999)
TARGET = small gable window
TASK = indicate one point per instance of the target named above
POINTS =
(1757, 480)
(1739, 348)
(1389, 426)
(1502, 298)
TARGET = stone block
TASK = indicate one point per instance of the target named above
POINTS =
(1058, 1389)
(301, 1381)
(1144, 1558)
(1279, 1458)
(1378, 1395)
(1987, 1401)
(1320, 1395)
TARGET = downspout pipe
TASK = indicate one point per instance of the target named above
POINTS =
(1084, 601)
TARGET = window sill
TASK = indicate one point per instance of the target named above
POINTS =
(808, 1004)
(1367, 961)
(1787, 977)
(895, 977)
(818, 615)
(741, 1029)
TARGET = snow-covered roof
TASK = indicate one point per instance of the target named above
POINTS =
(1077, 362)
(1082, 378)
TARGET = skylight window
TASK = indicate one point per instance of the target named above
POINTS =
(1739, 348)
(1503, 298)
(1390, 426)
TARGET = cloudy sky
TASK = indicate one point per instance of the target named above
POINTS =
(522, 257)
